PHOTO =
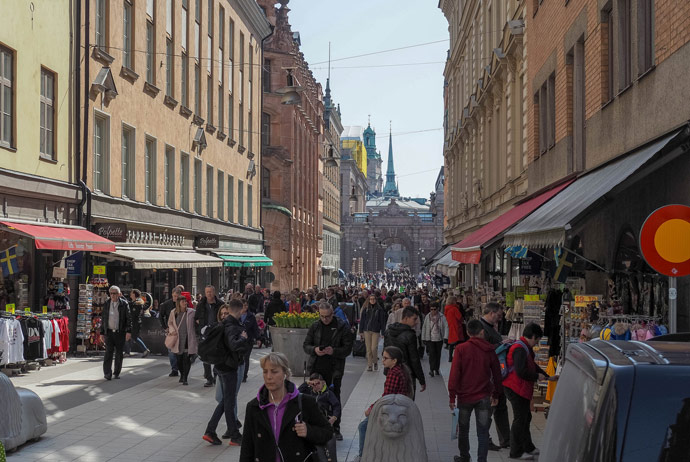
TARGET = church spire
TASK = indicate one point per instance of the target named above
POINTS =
(391, 189)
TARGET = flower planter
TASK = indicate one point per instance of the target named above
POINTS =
(289, 341)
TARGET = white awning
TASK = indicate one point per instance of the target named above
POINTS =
(154, 258)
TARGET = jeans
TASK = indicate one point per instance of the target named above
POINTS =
(482, 414)
(240, 376)
(434, 349)
(173, 360)
(362, 434)
(227, 406)
(520, 437)
(500, 417)
(114, 344)
(247, 356)
(371, 340)
(135, 340)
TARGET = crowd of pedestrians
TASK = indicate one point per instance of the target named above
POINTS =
(222, 329)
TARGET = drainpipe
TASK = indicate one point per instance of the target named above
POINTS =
(261, 148)
(85, 149)
(77, 114)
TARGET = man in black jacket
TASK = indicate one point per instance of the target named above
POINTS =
(328, 344)
(491, 314)
(256, 300)
(166, 308)
(402, 335)
(248, 322)
(207, 314)
(116, 327)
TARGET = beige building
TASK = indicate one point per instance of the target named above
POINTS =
(173, 130)
(485, 113)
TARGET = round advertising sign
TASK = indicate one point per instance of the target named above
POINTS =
(665, 240)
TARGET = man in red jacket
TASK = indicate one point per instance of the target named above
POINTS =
(475, 384)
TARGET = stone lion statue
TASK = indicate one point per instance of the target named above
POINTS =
(23, 416)
(395, 432)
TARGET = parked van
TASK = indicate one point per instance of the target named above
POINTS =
(621, 401)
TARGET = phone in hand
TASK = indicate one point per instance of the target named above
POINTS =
(298, 418)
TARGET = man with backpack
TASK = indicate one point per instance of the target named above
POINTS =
(223, 346)
(491, 314)
(206, 314)
(474, 385)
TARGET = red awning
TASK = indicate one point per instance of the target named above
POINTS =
(62, 238)
(469, 250)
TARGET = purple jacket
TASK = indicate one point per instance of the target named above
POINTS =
(275, 414)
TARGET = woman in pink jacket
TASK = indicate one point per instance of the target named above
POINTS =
(181, 337)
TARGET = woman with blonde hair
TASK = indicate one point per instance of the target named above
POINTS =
(280, 423)
(181, 337)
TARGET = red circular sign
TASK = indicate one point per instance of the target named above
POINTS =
(665, 240)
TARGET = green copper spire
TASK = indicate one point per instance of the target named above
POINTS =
(391, 189)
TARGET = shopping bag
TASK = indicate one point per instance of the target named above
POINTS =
(454, 424)
(359, 348)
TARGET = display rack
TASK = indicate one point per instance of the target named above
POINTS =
(84, 315)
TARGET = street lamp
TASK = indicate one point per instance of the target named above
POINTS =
(291, 92)
(331, 159)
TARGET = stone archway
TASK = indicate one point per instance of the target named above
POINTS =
(392, 237)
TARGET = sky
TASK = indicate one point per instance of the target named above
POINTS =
(409, 97)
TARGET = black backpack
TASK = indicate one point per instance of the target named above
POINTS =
(212, 348)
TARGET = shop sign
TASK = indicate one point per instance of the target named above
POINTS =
(665, 240)
(532, 298)
(73, 264)
(116, 232)
(520, 292)
(510, 299)
(99, 269)
(206, 242)
(59, 273)
(27, 310)
(45, 309)
(9, 308)
(584, 300)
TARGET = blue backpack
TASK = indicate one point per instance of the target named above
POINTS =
(502, 353)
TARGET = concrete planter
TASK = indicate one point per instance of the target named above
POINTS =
(289, 341)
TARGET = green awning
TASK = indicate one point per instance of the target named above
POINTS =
(277, 208)
(238, 261)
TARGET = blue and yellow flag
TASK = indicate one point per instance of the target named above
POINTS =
(8, 260)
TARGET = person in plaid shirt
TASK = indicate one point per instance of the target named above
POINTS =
(398, 382)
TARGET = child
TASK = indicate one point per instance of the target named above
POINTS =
(325, 398)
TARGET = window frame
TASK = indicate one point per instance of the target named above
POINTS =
(250, 205)
(266, 76)
(645, 36)
(104, 174)
(128, 161)
(198, 167)
(46, 103)
(128, 35)
(240, 202)
(210, 191)
(220, 194)
(265, 129)
(150, 51)
(265, 182)
(101, 24)
(8, 83)
(169, 169)
(231, 198)
(184, 180)
(150, 169)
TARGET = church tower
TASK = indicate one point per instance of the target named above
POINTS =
(391, 188)
(374, 178)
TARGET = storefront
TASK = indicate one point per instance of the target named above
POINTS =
(243, 263)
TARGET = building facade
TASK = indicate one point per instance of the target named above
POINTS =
(374, 161)
(332, 235)
(293, 144)
(171, 126)
(485, 114)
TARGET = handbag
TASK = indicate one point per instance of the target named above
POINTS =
(171, 338)
(454, 424)
(325, 453)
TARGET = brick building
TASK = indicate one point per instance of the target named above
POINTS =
(292, 139)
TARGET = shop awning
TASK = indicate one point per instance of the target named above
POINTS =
(245, 260)
(469, 250)
(71, 238)
(547, 226)
(154, 258)
(438, 256)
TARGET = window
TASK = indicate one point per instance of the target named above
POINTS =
(624, 44)
(101, 153)
(577, 58)
(240, 202)
(221, 109)
(6, 97)
(185, 24)
(267, 75)
(197, 186)
(170, 177)
(197, 89)
(231, 118)
(241, 69)
(150, 170)
(250, 132)
(251, 78)
(127, 37)
(221, 40)
(545, 99)
(47, 129)
(250, 201)
(184, 182)
(209, 39)
(169, 66)
(241, 126)
(185, 77)
(209, 100)
(265, 183)
(197, 28)
(150, 7)
(101, 23)
(169, 12)
(608, 36)
(645, 33)
(265, 129)
(128, 156)
(231, 56)
(221, 194)
(231, 198)
(209, 191)
(150, 52)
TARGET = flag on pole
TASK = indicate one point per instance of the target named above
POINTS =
(8, 260)
(516, 251)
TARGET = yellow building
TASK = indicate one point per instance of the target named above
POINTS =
(358, 152)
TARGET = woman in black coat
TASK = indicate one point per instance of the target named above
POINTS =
(274, 307)
(280, 413)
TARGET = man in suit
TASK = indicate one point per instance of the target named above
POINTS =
(116, 327)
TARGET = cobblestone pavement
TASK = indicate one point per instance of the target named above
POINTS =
(148, 416)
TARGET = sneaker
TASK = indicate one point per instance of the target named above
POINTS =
(369, 369)
(173, 374)
(535, 452)
(525, 456)
(208, 384)
(146, 353)
(108, 376)
(338, 436)
(236, 441)
(212, 438)
(493, 447)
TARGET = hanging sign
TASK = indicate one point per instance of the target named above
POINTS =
(59, 273)
(99, 269)
(665, 240)
(45, 309)
(73, 264)
(27, 310)
(9, 308)
(510, 299)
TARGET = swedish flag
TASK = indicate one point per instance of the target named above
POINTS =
(8, 260)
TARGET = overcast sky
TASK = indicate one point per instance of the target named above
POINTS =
(409, 96)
